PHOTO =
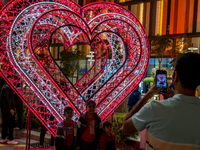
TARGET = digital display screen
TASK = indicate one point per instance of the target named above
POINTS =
(161, 81)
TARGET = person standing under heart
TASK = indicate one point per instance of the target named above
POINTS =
(89, 128)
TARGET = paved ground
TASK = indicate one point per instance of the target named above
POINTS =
(20, 136)
(22, 148)
(22, 144)
(2, 147)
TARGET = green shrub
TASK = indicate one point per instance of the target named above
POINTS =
(35, 123)
(121, 137)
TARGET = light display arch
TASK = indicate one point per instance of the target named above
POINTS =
(112, 31)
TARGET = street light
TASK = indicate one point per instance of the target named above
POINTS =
(192, 48)
(91, 55)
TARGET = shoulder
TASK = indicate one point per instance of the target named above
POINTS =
(81, 120)
(156, 108)
(164, 103)
(133, 93)
(61, 124)
(97, 117)
(74, 122)
(103, 135)
(113, 136)
(148, 115)
(82, 117)
(148, 110)
(138, 92)
(6, 86)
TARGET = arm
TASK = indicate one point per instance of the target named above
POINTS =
(100, 128)
(115, 142)
(59, 143)
(78, 133)
(102, 143)
(128, 126)
(9, 97)
(99, 132)
(75, 134)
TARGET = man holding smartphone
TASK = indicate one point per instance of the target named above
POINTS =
(173, 123)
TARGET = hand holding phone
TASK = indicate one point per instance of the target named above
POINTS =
(161, 80)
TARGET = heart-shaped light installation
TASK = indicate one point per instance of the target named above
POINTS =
(117, 38)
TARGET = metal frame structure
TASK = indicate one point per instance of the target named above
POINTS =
(113, 32)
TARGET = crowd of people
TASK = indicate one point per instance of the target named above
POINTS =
(86, 134)
(171, 124)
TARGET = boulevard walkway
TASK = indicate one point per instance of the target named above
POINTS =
(20, 136)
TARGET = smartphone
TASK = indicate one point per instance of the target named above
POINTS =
(161, 80)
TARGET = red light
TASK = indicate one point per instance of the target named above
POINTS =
(119, 42)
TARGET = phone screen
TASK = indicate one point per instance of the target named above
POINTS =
(161, 77)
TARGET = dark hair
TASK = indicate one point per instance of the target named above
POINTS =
(187, 69)
(136, 89)
(67, 108)
(107, 123)
(90, 101)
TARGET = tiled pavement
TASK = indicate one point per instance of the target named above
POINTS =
(20, 136)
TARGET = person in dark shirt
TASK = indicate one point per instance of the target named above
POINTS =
(7, 110)
(89, 128)
(134, 98)
(67, 132)
(107, 140)
(44, 130)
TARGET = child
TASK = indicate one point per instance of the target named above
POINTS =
(89, 128)
(107, 140)
(66, 132)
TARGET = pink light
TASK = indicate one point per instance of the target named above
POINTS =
(116, 36)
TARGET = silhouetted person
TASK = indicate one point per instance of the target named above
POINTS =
(134, 98)
(44, 130)
(8, 114)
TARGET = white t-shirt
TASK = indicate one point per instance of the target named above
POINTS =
(172, 124)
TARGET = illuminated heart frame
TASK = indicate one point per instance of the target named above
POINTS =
(115, 35)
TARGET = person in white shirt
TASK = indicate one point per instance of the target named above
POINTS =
(174, 122)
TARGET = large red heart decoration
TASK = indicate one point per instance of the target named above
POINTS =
(117, 38)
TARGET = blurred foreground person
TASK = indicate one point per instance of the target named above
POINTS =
(174, 123)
